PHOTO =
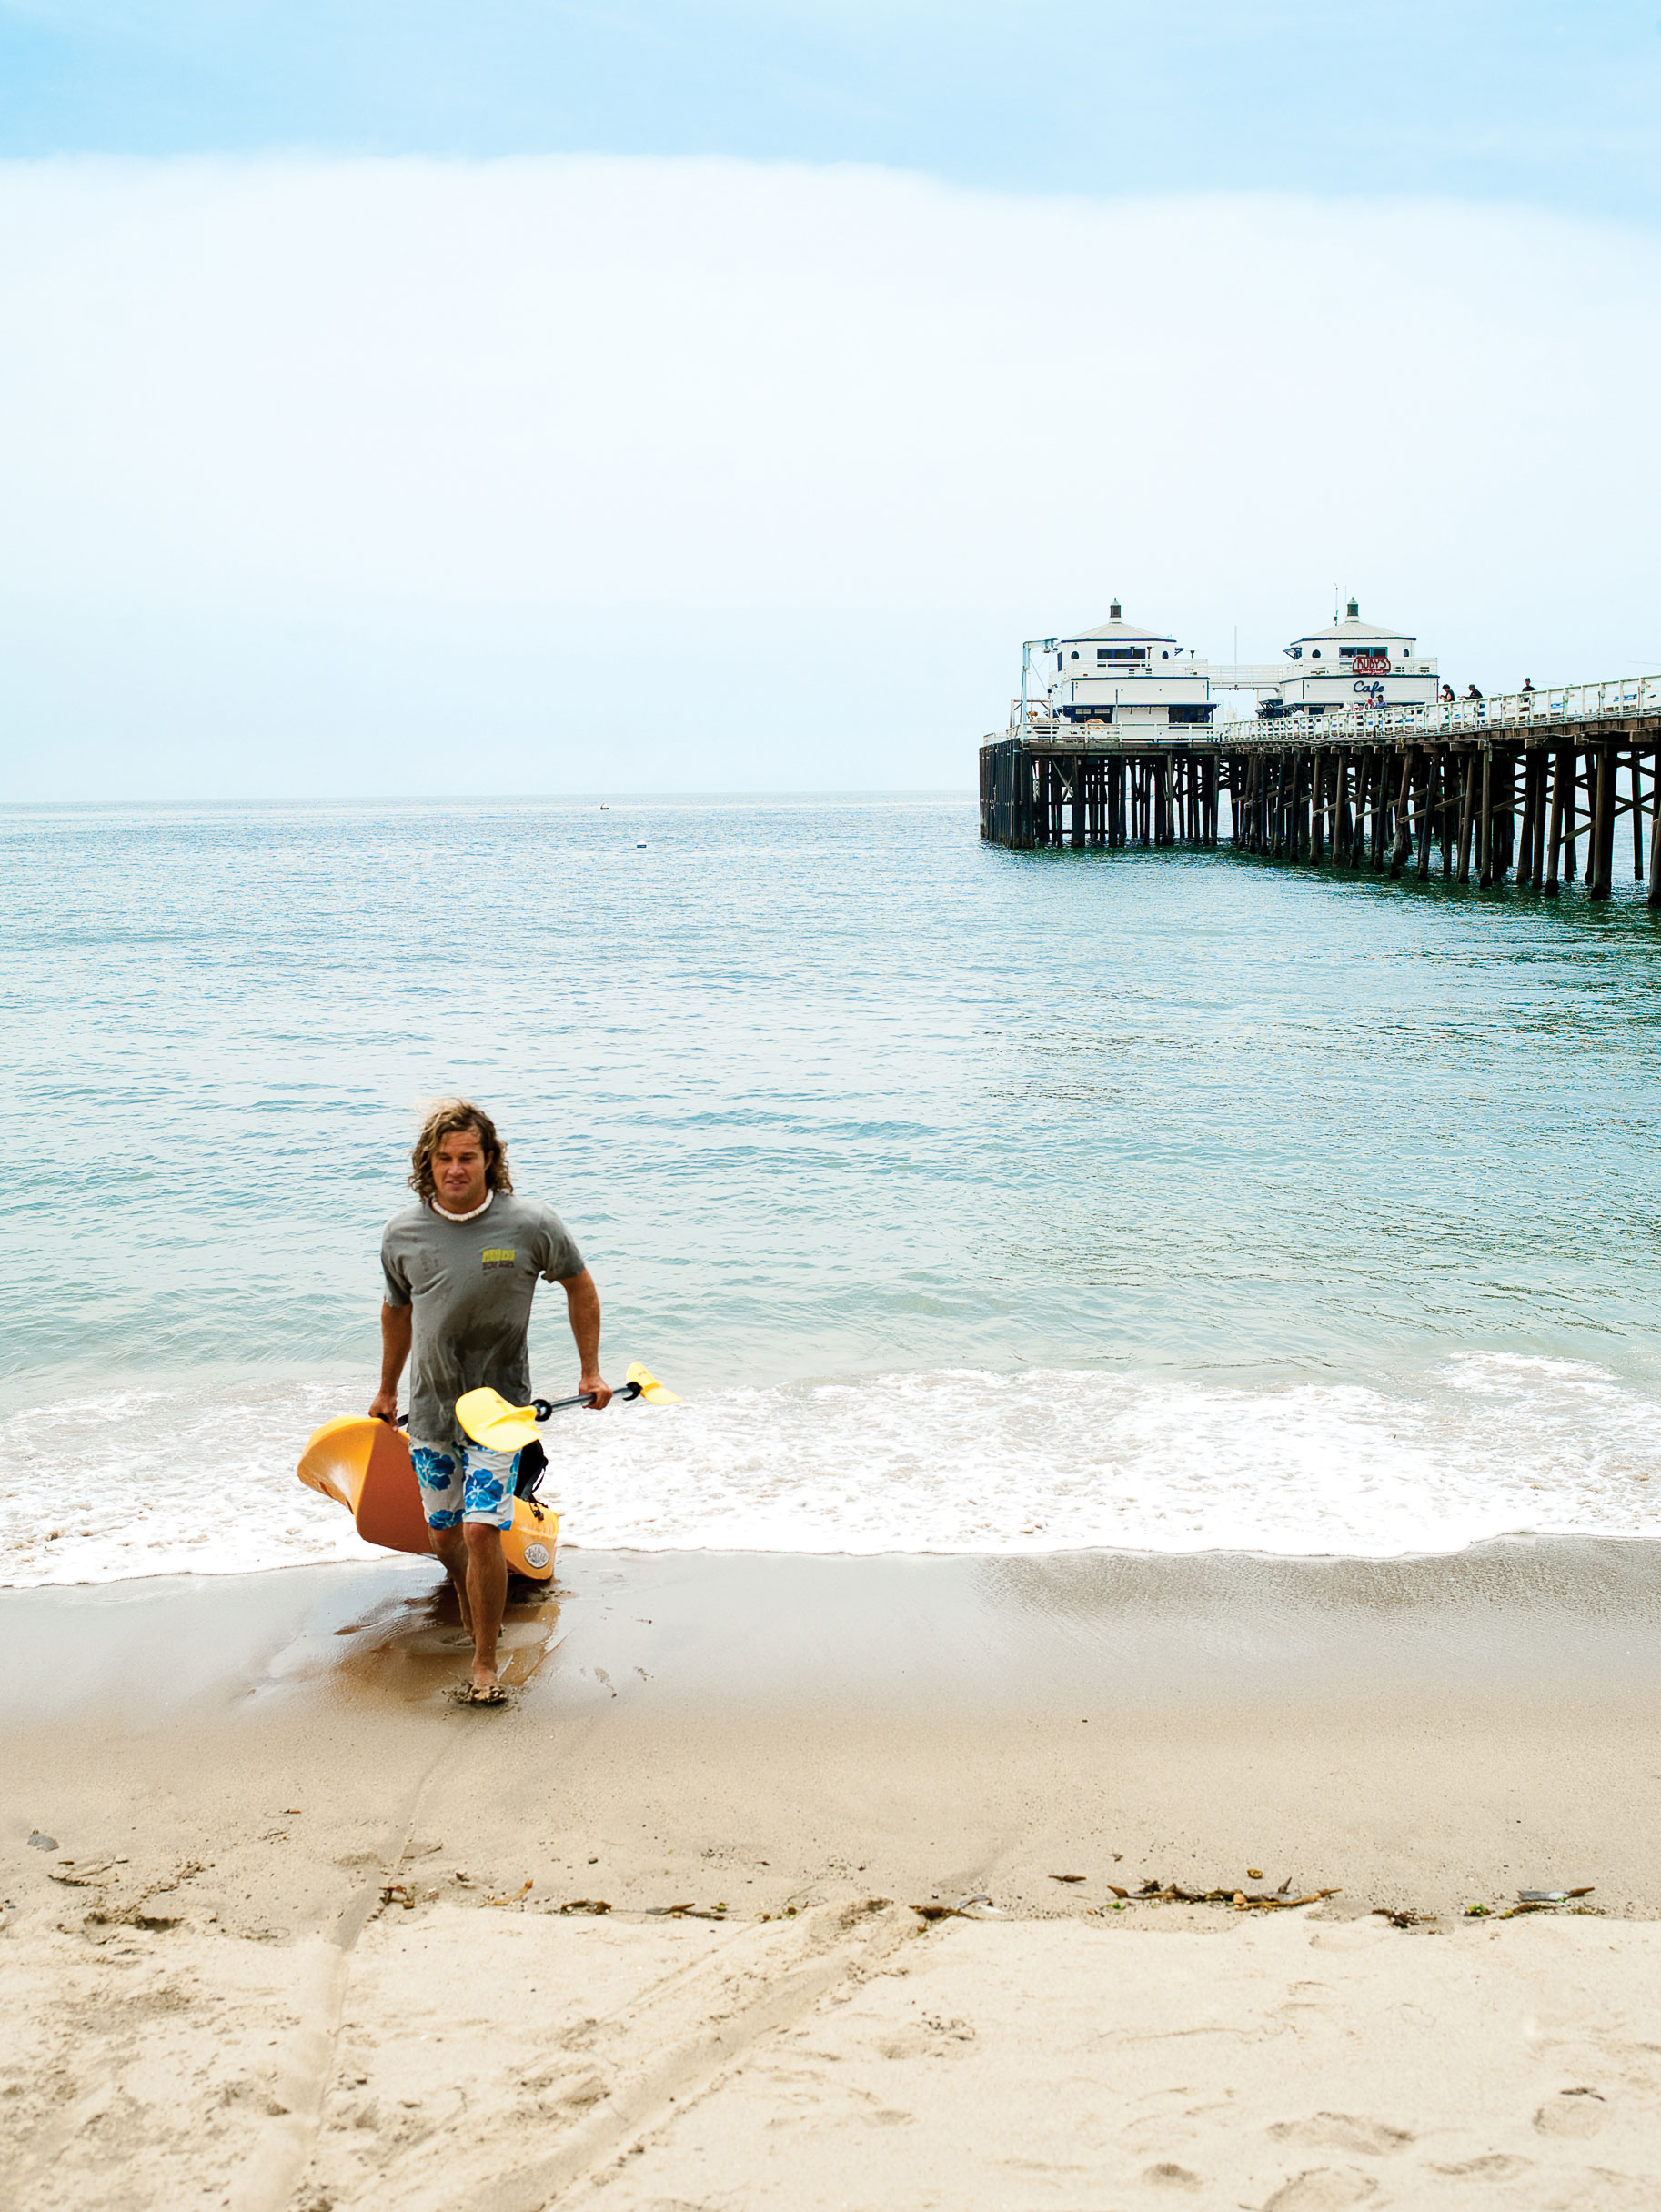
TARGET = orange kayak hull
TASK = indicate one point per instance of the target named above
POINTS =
(365, 1465)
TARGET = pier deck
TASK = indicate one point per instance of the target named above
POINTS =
(1523, 781)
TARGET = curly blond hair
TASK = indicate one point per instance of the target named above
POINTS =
(447, 1120)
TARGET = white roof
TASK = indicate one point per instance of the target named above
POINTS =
(1123, 632)
(1352, 630)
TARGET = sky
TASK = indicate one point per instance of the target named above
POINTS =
(525, 399)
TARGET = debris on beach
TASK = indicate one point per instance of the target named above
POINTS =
(586, 1904)
(39, 1842)
(1274, 1901)
(1068, 1878)
(523, 1891)
(1535, 1900)
(960, 1911)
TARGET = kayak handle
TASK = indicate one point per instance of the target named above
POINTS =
(544, 1407)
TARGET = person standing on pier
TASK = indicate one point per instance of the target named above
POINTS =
(460, 1268)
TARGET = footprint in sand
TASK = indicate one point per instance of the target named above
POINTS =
(1575, 2113)
(1168, 2174)
(1342, 2131)
(1324, 2189)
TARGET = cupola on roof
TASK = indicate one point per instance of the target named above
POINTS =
(1114, 626)
(1353, 631)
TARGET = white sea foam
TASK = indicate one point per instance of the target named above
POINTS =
(946, 1461)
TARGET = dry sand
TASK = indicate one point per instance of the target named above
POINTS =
(280, 1955)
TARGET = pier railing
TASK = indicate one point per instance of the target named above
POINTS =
(1562, 707)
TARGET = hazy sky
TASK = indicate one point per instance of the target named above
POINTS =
(542, 399)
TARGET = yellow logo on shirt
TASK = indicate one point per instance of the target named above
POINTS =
(499, 1255)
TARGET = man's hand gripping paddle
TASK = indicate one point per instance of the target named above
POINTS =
(641, 1383)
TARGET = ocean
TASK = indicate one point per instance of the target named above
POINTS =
(974, 1200)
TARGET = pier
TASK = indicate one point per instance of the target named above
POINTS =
(1482, 791)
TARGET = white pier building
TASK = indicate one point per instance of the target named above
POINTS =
(1142, 682)
(1134, 680)
(1354, 667)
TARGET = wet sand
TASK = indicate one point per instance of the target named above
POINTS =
(281, 1951)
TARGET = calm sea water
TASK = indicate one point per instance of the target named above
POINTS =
(973, 1199)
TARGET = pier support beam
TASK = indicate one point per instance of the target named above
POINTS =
(1600, 861)
(1562, 781)
(1427, 813)
(1484, 831)
(1402, 840)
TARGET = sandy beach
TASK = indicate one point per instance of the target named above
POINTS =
(294, 1931)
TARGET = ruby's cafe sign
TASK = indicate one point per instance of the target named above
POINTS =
(1371, 664)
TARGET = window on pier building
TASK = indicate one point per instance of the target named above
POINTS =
(1121, 652)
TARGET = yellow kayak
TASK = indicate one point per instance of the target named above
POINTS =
(365, 1465)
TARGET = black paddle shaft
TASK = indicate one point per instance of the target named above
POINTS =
(543, 1407)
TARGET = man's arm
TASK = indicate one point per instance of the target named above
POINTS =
(582, 1310)
(397, 1325)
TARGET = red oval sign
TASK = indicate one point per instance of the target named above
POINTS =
(1371, 664)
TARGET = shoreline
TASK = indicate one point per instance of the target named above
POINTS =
(298, 1932)
(1195, 1704)
(368, 1556)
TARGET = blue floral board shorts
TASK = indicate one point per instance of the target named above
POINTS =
(465, 1482)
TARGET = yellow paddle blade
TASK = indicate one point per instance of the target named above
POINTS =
(651, 1390)
(490, 1421)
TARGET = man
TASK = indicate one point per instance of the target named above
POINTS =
(460, 1268)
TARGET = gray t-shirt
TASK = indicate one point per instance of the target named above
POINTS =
(472, 1284)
